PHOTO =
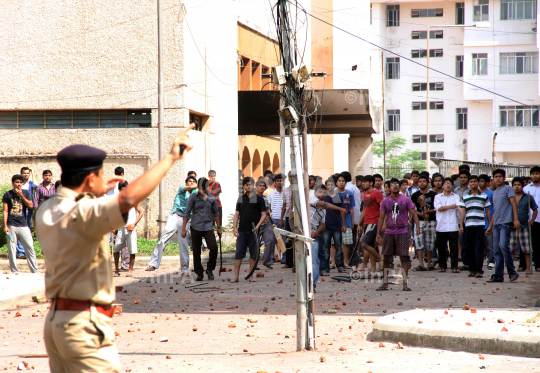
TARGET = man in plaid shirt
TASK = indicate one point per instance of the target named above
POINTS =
(45, 189)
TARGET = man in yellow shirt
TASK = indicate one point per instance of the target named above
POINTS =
(72, 228)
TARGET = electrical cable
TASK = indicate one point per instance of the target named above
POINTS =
(408, 59)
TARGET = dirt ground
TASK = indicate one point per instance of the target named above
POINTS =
(216, 331)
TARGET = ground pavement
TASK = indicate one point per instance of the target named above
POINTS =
(250, 327)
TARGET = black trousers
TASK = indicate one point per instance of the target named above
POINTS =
(475, 247)
(535, 236)
(289, 244)
(444, 239)
(196, 240)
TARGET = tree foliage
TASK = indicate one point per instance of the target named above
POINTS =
(398, 159)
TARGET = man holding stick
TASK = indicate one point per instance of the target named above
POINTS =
(72, 229)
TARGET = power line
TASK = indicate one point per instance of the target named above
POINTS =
(405, 58)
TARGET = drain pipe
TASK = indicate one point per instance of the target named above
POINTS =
(493, 154)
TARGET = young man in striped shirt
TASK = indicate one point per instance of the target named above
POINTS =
(472, 222)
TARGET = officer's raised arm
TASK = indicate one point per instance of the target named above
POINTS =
(141, 188)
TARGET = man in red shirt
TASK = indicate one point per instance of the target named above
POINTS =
(214, 189)
(371, 202)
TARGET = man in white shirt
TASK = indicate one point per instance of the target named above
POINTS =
(124, 264)
(275, 200)
(357, 201)
(534, 190)
(446, 204)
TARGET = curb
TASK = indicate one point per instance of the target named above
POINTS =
(449, 337)
(140, 262)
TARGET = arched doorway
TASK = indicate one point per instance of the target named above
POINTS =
(246, 162)
(276, 167)
(266, 163)
(256, 165)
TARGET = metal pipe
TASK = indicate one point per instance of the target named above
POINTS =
(161, 192)
(383, 115)
(304, 269)
(427, 103)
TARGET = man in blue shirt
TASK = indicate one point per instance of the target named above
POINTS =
(505, 217)
(348, 204)
(174, 225)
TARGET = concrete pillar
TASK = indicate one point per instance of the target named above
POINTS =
(360, 155)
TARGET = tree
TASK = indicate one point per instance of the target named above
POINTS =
(398, 159)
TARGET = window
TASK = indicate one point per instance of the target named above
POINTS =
(392, 15)
(198, 120)
(481, 10)
(479, 61)
(67, 119)
(421, 53)
(461, 118)
(422, 156)
(460, 13)
(419, 139)
(432, 86)
(435, 34)
(519, 116)
(393, 120)
(419, 105)
(518, 9)
(433, 105)
(418, 53)
(436, 138)
(459, 66)
(519, 63)
(421, 13)
(436, 105)
(392, 68)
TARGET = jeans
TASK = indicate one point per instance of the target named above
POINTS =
(491, 254)
(464, 253)
(315, 247)
(501, 239)
(328, 234)
(475, 247)
(196, 238)
(269, 243)
(535, 237)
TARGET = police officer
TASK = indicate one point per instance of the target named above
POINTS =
(72, 229)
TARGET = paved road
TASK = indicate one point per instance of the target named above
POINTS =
(201, 340)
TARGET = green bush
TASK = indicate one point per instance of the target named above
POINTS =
(3, 237)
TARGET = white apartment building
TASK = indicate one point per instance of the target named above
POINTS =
(492, 44)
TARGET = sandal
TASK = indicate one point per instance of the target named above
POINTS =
(116, 274)
(419, 268)
(382, 287)
(455, 270)
(407, 289)
(332, 267)
(442, 270)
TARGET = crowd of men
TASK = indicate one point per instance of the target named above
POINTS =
(357, 223)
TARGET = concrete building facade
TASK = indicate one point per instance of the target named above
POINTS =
(86, 72)
(491, 44)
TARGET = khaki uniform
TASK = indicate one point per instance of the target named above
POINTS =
(73, 232)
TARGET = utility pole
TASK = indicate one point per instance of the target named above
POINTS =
(383, 115)
(160, 112)
(292, 97)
